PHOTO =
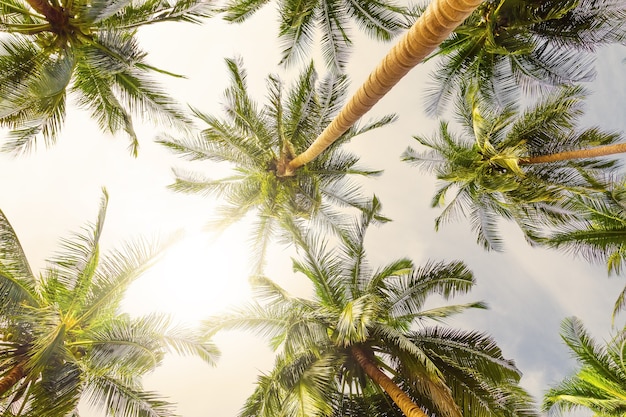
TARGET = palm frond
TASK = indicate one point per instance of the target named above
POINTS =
(130, 15)
(121, 398)
(17, 282)
(296, 30)
(335, 36)
(379, 19)
(240, 10)
(117, 269)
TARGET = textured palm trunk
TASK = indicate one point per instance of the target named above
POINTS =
(11, 378)
(55, 16)
(578, 154)
(433, 27)
(399, 397)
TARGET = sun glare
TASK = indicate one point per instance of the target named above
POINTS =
(198, 276)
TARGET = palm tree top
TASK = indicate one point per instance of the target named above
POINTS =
(87, 48)
(377, 317)
(490, 170)
(598, 384)
(259, 140)
(64, 337)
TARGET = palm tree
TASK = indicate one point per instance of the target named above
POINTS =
(63, 338)
(258, 141)
(84, 48)
(599, 384)
(422, 38)
(364, 332)
(299, 21)
(506, 44)
(429, 30)
(499, 169)
(600, 234)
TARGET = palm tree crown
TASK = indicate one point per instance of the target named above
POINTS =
(259, 142)
(506, 44)
(599, 384)
(63, 338)
(492, 167)
(361, 321)
(88, 49)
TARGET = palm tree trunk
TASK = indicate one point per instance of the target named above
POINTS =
(577, 154)
(433, 27)
(11, 378)
(399, 397)
(53, 15)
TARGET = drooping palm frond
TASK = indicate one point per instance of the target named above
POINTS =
(128, 15)
(598, 235)
(301, 23)
(508, 44)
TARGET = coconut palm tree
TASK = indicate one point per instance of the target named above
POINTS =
(364, 331)
(258, 141)
(599, 384)
(301, 20)
(508, 44)
(88, 49)
(63, 338)
(521, 167)
(600, 234)
(433, 26)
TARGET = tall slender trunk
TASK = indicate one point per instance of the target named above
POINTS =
(399, 397)
(12, 377)
(433, 27)
(577, 154)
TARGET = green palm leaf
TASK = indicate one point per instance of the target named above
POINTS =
(599, 383)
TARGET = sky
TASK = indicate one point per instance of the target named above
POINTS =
(53, 192)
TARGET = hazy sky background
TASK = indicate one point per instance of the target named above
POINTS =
(53, 192)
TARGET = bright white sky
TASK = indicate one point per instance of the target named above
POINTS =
(49, 194)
